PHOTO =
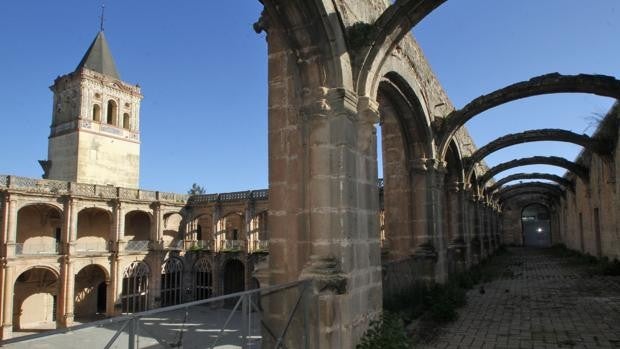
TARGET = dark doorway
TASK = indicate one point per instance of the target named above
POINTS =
(102, 290)
(234, 276)
(536, 227)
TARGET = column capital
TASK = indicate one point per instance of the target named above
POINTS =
(322, 101)
(368, 109)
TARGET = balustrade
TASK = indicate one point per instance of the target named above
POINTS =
(232, 245)
(28, 249)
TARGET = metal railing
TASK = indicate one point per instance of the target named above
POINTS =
(236, 320)
(137, 245)
(232, 245)
(28, 249)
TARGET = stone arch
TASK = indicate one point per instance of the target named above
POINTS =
(518, 176)
(171, 282)
(386, 33)
(233, 279)
(579, 170)
(230, 227)
(94, 226)
(90, 292)
(173, 228)
(126, 121)
(529, 187)
(135, 287)
(536, 225)
(39, 229)
(595, 145)
(320, 50)
(204, 226)
(203, 279)
(96, 112)
(601, 85)
(111, 113)
(258, 231)
(35, 298)
(137, 225)
(453, 183)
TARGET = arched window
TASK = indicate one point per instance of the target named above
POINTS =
(126, 121)
(134, 295)
(203, 279)
(171, 274)
(96, 113)
(111, 119)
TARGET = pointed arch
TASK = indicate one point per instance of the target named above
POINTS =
(519, 176)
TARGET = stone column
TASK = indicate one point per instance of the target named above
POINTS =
(436, 205)
(70, 225)
(217, 211)
(11, 225)
(113, 306)
(466, 230)
(157, 225)
(8, 286)
(457, 245)
(66, 296)
(118, 227)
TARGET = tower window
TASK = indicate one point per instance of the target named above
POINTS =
(96, 113)
(111, 119)
(126, 121)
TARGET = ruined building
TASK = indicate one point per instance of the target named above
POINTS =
(337, 69)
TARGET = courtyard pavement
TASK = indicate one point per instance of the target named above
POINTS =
(539, 300)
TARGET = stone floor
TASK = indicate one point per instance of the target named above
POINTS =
(540, 300)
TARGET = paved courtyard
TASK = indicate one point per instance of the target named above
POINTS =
(540, 300)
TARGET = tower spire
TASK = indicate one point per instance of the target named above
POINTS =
(102, 17)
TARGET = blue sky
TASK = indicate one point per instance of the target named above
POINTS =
(203, 75)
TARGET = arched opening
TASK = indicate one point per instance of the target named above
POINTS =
(172, 230)
(230, 234)
(536, 227)
(234, 276)
(403, 140)
(204, 232)
(257, 236)
(137, 230)
(38, 230)
(171, 282)
(35, 300)
(203, 279)
(452, 210)
(96, 113)
(112, 112)
(90, 293)
(126, 121)
(93, 230)
(135, 288)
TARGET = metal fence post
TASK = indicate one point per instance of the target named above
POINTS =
(244, 321)
(131, 342)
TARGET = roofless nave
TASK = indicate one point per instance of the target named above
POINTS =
(335, 70)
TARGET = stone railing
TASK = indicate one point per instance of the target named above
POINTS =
(47, 186)
(258, 246)
(262, 194)
(206, 245)
(176, 245)
(82, 247)
(232, 245)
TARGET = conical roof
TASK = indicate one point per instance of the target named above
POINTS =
(99, 58)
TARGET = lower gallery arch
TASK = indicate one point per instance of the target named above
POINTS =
(35, 303)
(203, 279)
(90, 292)
(135, 288)
(234, 276)
(535, 225)
(171, 282)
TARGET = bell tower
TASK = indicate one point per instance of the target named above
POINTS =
(95, 130)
